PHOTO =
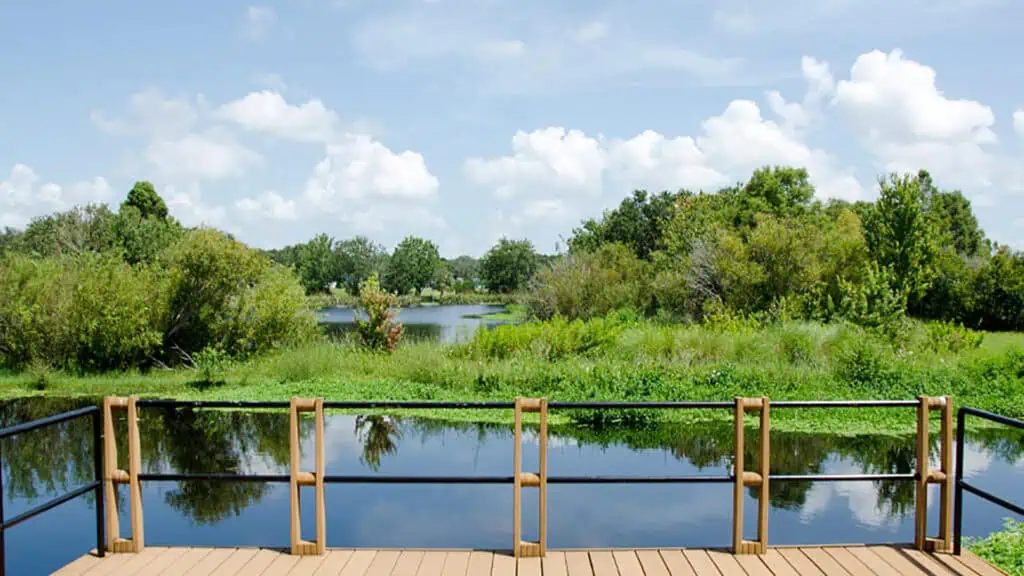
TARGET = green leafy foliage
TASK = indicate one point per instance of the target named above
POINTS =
(412, 265)
(1004, 549)
(144, 198)
(379, 331)
(508, 265)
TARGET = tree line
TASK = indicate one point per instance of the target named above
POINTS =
(769, 247)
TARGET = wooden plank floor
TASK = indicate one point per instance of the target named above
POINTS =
(783, 561)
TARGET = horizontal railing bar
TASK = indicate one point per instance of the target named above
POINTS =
(640, 479)
(218, 477)
(641, 405)
(254, 405)
(413, 404)
(845, 404)
(44, 422)
(992, 498)
(840, 477)
(993, 417)
(49, 505)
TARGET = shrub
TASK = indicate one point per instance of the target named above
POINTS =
(944, 337)
(379, 331)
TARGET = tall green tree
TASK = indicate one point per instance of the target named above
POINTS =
(777, 190)
(508, 265)
(358, 258)
(144, 197)
(412, 265)
(902, 235)
(317, 264)
(465, 268)
(638, 222)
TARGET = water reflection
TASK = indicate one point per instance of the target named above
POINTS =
(447, 323)
(51, 461)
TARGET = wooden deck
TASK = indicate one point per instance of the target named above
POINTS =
(780, 561)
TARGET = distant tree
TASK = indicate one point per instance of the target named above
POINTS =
(358, 258)
(143, 196)
(508, 265)
(443, 279)
(10, 239)
(317, 266)
(412, 265)
(81, 229)
(777, 190)
(142, 239)
(465, 268)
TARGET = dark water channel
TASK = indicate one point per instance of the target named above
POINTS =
(39, 465)
(444, 324)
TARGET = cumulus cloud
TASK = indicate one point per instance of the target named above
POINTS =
(269, 205)
(267, 111)
(1018, 121)
(210, 155)
(24, 196)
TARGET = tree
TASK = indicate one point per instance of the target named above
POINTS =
(141, 239)
(357, 259)
(902, 235)
(778, 190)
(508, 265)
(638, 222)
(144, 197)
(412, 265)
(317, 265)
(465, 268)
(80, 229)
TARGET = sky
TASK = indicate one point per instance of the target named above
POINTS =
(463, 121)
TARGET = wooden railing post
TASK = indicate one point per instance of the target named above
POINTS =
(112, 476)
(744, 478)
(522, 479)
(926, 475)
(298, 479)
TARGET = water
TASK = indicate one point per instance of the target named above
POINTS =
(445, 324)
(46, 463)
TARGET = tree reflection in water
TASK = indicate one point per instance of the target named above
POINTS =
(198, 441)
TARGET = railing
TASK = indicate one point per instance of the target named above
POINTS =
(961, 484)
(94, 486)
(106, 464)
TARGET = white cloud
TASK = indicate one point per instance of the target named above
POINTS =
(559, 164)
(1018, 121)
(210, 155)
(549, 157)
(268, 112)
(23, 196)
(150, 113)
(258, 21)
(269, 205)
(908, 123)
(359, 168)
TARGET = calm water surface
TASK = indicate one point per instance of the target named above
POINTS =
(439, 323)
(45, 463)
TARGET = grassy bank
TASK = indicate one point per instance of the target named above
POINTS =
(611, 360)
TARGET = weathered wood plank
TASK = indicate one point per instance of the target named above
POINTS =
(701, 563)
(777, 564)
(433, 563)
(185, 562)
(259, 562)
(383, 562)
(800, 562)
(456, 563)
(753, 565)
(603, 563)
(676, 563)
(307, 565)
(503, 565)
(929, 564)
(650, 562)
(409, 562)
(899, 562)
(211, 561)
(824, 562)
(577, 562)
(281, 565)
(553, 564)
(110, 564)
(726, 563)
(627, 563)
(233, 564)
(529, 567)
(80, 566)
(848, 561)
(971, 560)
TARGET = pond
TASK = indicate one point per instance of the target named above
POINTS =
(443, 323)
(46, 463)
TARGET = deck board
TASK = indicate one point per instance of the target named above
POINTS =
(875, 560)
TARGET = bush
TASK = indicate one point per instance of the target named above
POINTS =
(379, 331)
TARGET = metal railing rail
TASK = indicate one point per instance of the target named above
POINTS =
(961, 484)
(95, 486)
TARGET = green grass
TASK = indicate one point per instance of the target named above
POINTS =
(610, 360)
(1004, 549)
(511, 313)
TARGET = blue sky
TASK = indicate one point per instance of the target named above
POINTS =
(466, 120)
